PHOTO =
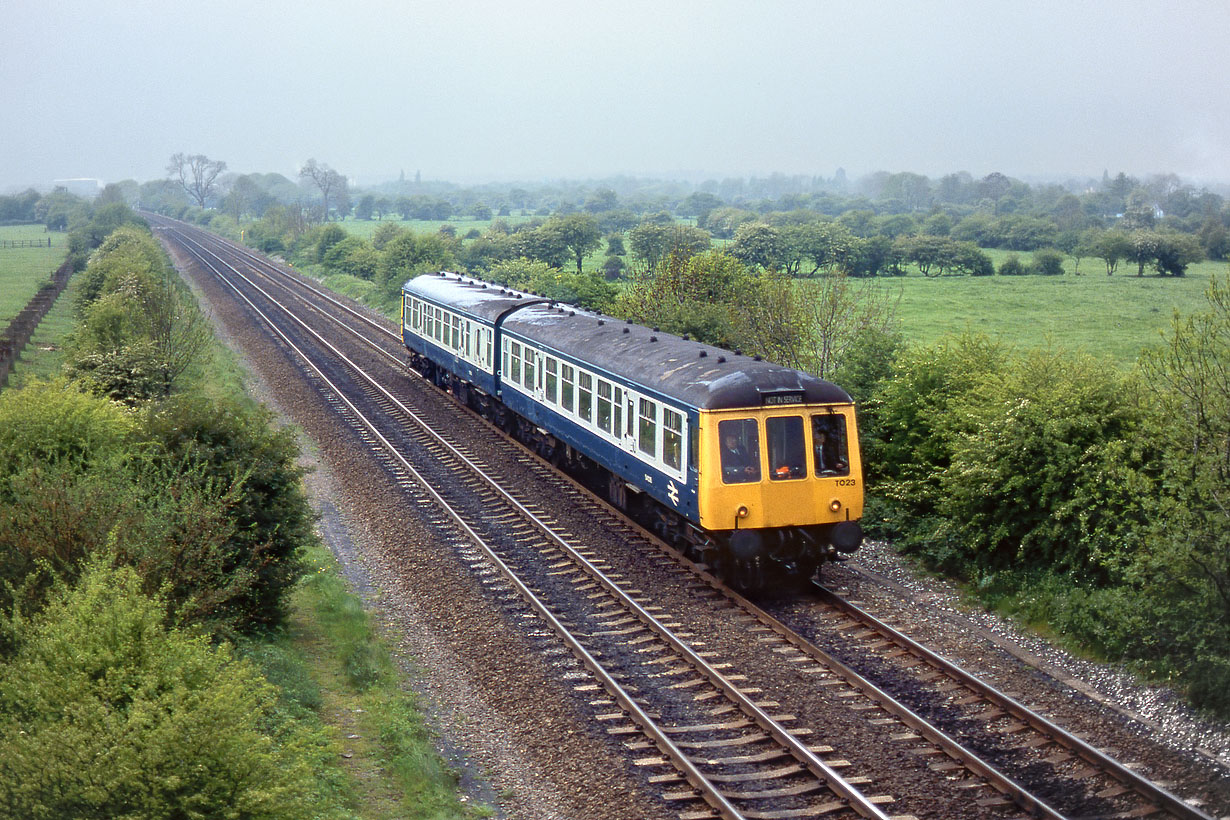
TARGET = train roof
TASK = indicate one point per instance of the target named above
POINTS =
(696, 374)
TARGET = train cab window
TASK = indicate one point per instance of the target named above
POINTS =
(567, 386)
(672, 438)
(740, 451)
(585, 396)
(787, 456)
(829, 444)
(648, 438)
(604, 406)
(552, 380)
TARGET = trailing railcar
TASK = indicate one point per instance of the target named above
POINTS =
(750, 467)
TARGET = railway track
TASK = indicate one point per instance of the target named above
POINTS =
(713, 740)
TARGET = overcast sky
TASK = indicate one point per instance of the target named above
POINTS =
(473, 91)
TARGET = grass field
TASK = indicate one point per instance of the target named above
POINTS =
(24, 270)
(1111, 316)
(43, 357)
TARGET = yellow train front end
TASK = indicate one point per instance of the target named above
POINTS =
(780, 486)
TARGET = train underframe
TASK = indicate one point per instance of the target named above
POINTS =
(754, 561)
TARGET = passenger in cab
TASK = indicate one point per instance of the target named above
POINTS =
(829, 447)
(738, 465)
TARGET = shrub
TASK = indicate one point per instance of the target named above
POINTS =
(106, 713)
(1047, 262)
(1013, 266)
(224, 447)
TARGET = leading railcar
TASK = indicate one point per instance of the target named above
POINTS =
(747, 466)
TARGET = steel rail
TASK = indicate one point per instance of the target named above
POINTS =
(1142, 786)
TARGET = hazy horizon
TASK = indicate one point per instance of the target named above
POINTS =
(474, 92)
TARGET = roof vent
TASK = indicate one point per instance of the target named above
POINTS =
(704, 354)
(572, 313)
(655, 330)
(721, 360)
(757, 357)
(602, 321)
(625, 330)
(627, 321)
(685, 337)
(653, 338)
(738, 352)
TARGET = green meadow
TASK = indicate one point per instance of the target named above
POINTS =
(1109, 316)
(24, 270)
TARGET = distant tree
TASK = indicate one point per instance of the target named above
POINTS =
(197, 174)
(1112, 247)
(613, 266)
(722, 222)
(367, 204)
(580, 234)
(699, 204)
(758, 244)
(615, 245)
(329, 182)
(1174, 252)
(602, 200)
(480, 211)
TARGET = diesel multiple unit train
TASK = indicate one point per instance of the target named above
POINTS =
(747, 466)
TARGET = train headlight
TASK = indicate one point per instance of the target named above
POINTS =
(741, 512)
(835, 505)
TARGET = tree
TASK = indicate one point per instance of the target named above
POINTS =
(329, 182)
(581, 234)
(758, 244)
(810, 325)
(197, 175)
(1175, 251)
(1111, 247)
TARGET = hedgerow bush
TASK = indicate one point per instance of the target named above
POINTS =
(202, 497)
(105, 712)
(1078, 497)
(221, 444)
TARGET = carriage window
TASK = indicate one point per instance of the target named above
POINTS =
(585, 395)
(515, 361)
(431, 325)
(740, 451)
(552, 380)
(672, 438)
(568, 379)
(439, 334)
(529, 368)
(617, 422)
(455, 341)
(828, 434)
(604, 406)
(648, 439)
(787, 457)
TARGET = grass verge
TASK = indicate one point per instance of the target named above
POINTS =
(331, 660)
